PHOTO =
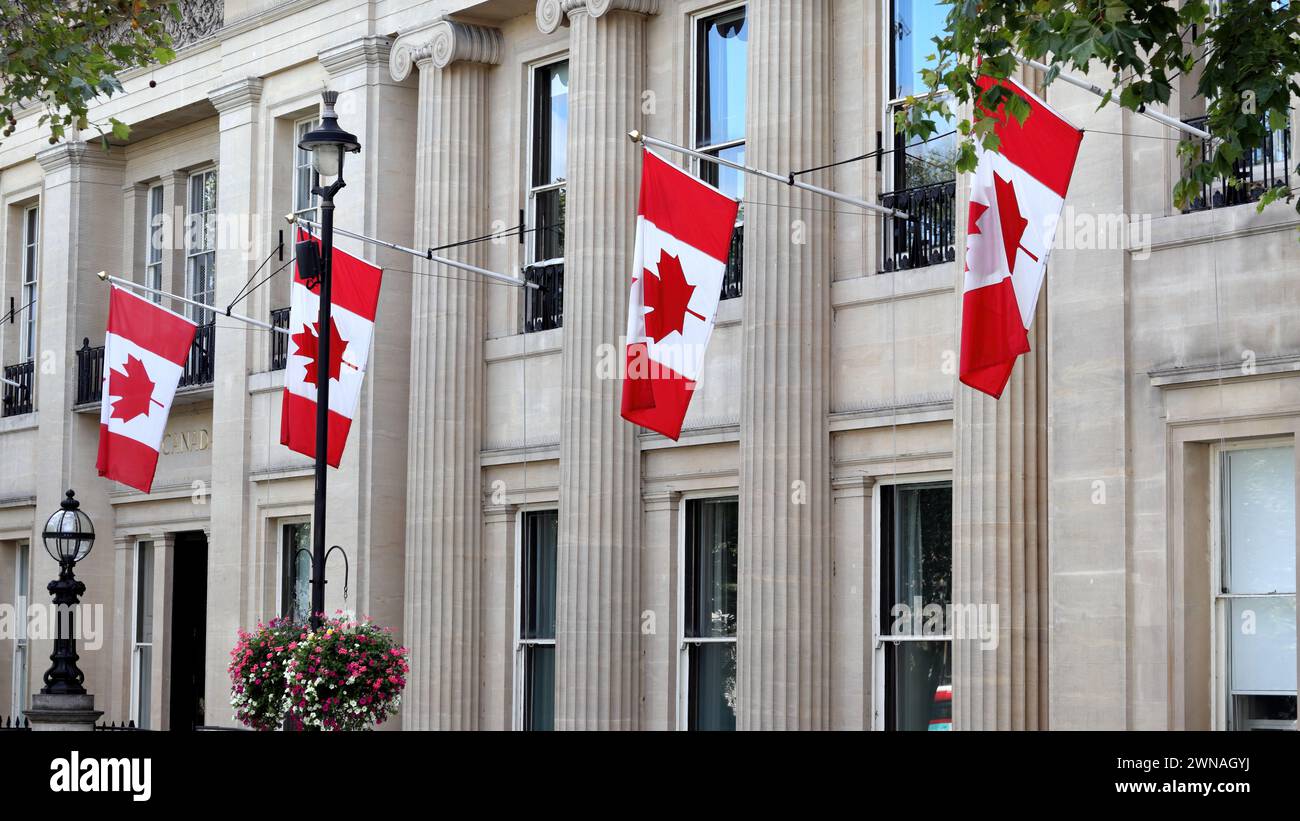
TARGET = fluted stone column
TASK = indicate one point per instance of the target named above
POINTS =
(785, 541)
(597, 626)
(446, 405)
(999, 542)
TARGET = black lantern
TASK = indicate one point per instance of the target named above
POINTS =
(327, 143)
(69, 535)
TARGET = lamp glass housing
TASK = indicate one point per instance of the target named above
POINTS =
(69, 534)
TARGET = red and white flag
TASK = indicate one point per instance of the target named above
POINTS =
(144, 356)
(354, 287)
(683, 237)
(1016, 196)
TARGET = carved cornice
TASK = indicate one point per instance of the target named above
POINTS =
(367, 50)
(236, 95)
(75, 153)
(551, 14)
(444, 43)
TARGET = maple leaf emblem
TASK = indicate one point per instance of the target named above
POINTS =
(1012, 223)
(668, 296)
(133, 389)
(307, 339)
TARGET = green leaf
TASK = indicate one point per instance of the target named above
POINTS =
(121, 131)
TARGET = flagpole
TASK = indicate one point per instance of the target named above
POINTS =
(429, 255)
(126, 283)
(787, 179)
(1163, 119)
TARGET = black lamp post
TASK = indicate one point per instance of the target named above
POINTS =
(327, 144)
(69, 535)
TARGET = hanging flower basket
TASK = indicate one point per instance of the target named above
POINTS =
(345, 675)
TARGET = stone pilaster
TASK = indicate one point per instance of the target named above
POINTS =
(597, 624)
(231, 545)
(659, 648)
(785, 554)
(443, 504)
(497, 612)
(851, 604)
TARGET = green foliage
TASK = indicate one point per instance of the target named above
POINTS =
(1245, 60)
(64, 54)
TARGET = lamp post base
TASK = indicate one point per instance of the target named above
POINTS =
(74, 713)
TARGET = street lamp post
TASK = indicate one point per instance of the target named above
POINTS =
(327, 144)
(69, 535)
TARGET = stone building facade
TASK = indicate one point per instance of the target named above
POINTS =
(1064, 556)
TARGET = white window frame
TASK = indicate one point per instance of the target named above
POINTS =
(280, 567)
(1220, 602)
(140, 713)
(683, 641)
(31, 279)
(517, 659)
(22, 648)
(694, 125)
(153, 249)
(301, 166)
(890, 102)
(879, 639)
(532, 191)
(209, 250)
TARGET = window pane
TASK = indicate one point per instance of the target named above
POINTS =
(295, 600)
(539, 687)
(1262, 642)
(713, 686)
(549, 222)
(551, 124)
(727, 180)
(1259, 491)
(711, 556)
(153, 237)
(541, 531)
(922, 546)
(144, 593)
(919, 681)
(722, 72)
(916, 23)
(1263, 713)
(144, 685)
(926, 161)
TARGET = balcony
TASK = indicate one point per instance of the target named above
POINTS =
(198, 372)
(733, 280)
(279, 341)
(1252, 175)
(18, 389)
(544, 305)
(928, 237)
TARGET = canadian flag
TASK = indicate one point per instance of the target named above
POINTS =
(1016, 196)
(354, 288)
(683, 237)
(144, 356)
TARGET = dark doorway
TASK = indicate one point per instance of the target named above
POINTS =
(189, 593)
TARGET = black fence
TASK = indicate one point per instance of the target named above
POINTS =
(279, 341)
(18, 388)
(544, 305)
(1254, 173)
(925, 239)
(199, 365)
(119, 727)
(15, 724)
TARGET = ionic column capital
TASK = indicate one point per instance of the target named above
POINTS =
(551, 14)
(443, 43)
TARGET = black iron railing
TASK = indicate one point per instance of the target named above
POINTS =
(15, 723)
(1253, 174)
(18, 388)
(544, 305)
(279, 341)
(925, 239)
(90, 372)
(733, 279)
(199, 365)
(119, 727)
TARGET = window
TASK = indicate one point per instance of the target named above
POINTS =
(1255, 602)
(913, 637)
(707, 668)
(22, 593)
(547, 176)
(913, 26)
(201, 244)
(721, 52)
(535, 625)
(142, 636)
(295, 571)
(153, 241)
(31, 263)
(304, 201)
